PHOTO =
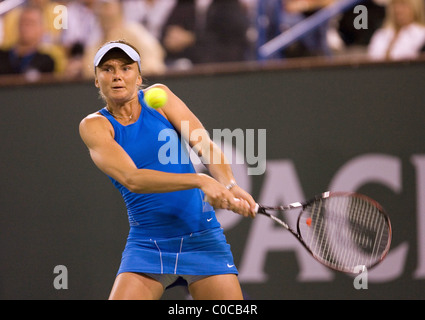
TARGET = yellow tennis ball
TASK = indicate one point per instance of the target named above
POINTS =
(156, 98)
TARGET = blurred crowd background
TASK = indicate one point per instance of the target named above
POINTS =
(61, 36)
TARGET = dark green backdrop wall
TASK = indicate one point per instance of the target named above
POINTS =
(354, 127)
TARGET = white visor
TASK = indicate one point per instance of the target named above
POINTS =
(129, 51)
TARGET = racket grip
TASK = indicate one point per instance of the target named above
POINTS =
(256, 208)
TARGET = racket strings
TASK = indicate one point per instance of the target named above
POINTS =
(345, 232)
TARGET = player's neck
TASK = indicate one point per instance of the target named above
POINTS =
(126, 110)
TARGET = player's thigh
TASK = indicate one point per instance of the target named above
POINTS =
(135, 286)
(217, 287)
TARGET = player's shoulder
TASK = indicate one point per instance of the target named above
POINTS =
(92, 118)
(94, 121)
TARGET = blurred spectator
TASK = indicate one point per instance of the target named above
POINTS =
(27, 56)
(269, 22)
(50, 39)
(403, 33)
(314, 43)
(203, 31)
(83, 31)
(10, 22)
(277, 16)
(357, 40)
(1, 29)
(114, 27)
(225, 35)
(180, 35)
(151, 13)
(83, 27)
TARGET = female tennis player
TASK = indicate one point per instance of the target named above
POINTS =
(174, 232)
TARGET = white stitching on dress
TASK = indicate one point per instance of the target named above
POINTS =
(160, 256)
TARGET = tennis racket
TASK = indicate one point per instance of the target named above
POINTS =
(341, 230)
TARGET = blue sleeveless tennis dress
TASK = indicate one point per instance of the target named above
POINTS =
(174, 232)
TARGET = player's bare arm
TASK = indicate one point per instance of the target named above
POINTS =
(110, 158)
(177, 112)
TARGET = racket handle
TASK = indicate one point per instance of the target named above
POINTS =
(257, 206)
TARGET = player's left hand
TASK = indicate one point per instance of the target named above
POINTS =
(244, 203)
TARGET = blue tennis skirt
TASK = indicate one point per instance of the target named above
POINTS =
(200, 253)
